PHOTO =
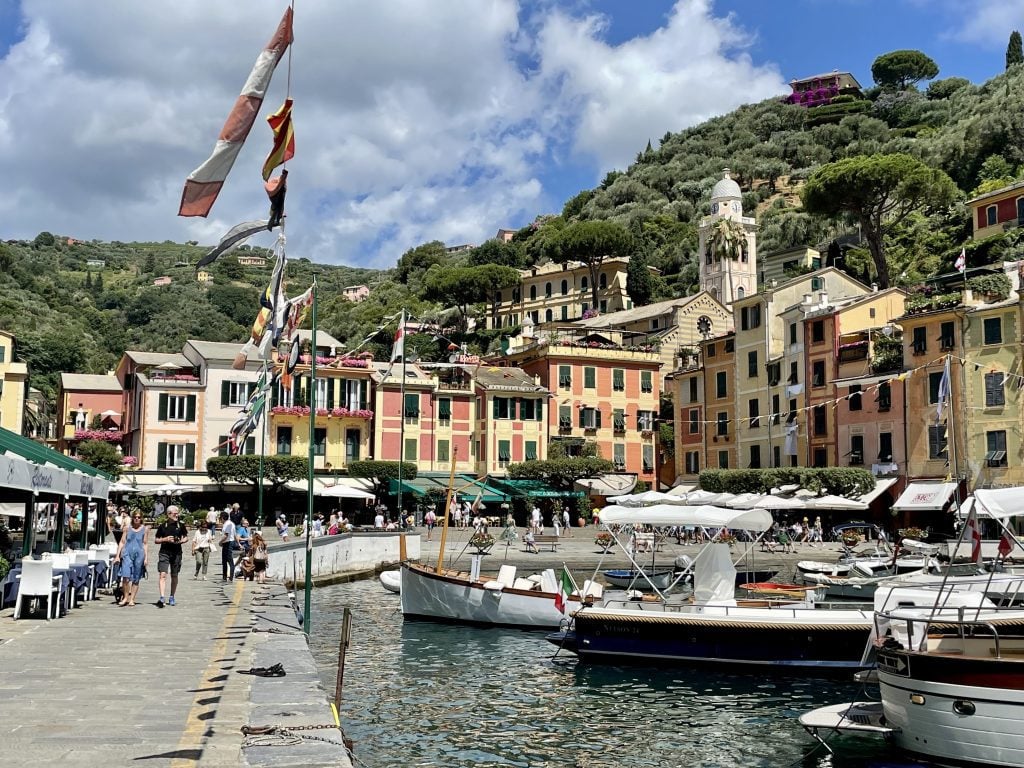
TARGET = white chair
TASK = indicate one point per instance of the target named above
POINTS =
(38, 580)
(506, 575)
(60, 560)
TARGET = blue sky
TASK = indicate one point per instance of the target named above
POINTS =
(415, 120)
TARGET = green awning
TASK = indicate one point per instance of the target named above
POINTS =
(418, 486)
(26, 465)
(534, 488)
(40, 454)
(468, 487)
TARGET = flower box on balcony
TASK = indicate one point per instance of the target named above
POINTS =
(106, 435)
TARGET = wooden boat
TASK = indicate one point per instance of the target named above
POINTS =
(772, 589)
(391, 581)
(661, 579)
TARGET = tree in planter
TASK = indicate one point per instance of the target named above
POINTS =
(101, 455)
(381, 472)
(277, 470)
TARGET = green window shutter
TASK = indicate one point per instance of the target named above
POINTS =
(645, 382)
(364, 394)
(250, 445)
(442, 450)
(296, 390)
(225, 393)
(504, 452)
(581, 412)
(161, 454)
(190, 410)
(597, 416)
(275, 396)
(222, 445)
(162, 409)
(190, 456)
(494, 403)
(618, 379)
(564, 416)
(412, 406)
(331, 384)
(531, 450)
(538, 410)
(589, 377)
(444, 408)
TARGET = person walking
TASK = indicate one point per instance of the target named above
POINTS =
(227, 547)
(430, 518)
(132, 558)
(202, 543)
(260, 556)
(565, 522)
(211, 520)
(170, 535)
(282, 527)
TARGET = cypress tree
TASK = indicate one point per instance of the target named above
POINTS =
(88, 281)
(639, 283)
(1014, 50)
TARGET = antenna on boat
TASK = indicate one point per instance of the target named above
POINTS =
(446, 511)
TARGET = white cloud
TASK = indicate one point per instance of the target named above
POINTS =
(988, 22)
(415, 120)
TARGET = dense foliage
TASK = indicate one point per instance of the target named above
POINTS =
(380, 472)
(839, 481)
(101, 455)
(277, 470)
(561, 473)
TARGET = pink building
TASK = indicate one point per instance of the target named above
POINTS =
(355, 292)
(89, 407)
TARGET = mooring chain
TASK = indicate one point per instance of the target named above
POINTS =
(282, 736)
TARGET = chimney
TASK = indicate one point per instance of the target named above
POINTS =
(823, 299)
(807, 299)
(874, 287)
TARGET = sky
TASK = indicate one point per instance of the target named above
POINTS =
(415, 120)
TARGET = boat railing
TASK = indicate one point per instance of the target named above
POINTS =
(941, 620)
(795, 610)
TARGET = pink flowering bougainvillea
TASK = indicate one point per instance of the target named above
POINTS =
(109, 436)
(129, 461)
(301, 410)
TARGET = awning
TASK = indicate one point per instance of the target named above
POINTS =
(339, 488)
(531, 488)
(466, 487)
(881, 486)
(1001, 502)
(607, 485)
(837, 502)
(678, 514)
(931, 497)
(26, 465)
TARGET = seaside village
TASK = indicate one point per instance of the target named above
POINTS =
(780, 360)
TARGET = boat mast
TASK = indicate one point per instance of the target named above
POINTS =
(306, 620)
(444, 513)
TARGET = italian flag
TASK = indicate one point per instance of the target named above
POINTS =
(566, 586)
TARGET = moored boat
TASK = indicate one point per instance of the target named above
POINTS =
(660, 579)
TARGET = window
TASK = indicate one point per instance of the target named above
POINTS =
(818, 331)
(565, 311)
(590, 418)
(547, 290)
(604, 306)
(729, 345)
(618, 379)
(442, 450)
(776, 456)
(817, 283)
(723, 423)
(693, 390)
(694, 421)
(792, 411)
(995, 395)
(996, 448)
(937, 441)
(946, 335)
(818, 373)
(654, 324)
(993, 330)
(3, 353)
(564, 376)
(179, 456)
(504, 408)
(723, 459)
(792, 333)
(444, 410)
(752, 364)
(283, 396)
(755, 457)
(533, 292)
(721, 385)
(531, 450)
(794, 374)
(692, 462)
(855, 397)
(565, 287)
(648, 458)
(410, 449)
(284, 441)
(820, 421)
(920, 342)
(603, 281)
(355, 393)
(176, 407)
(645, 421)
(619, 455)
(504, 453)
(774, 374)
(527, 409)
(750, 317)
(646, 381)
(739, 291)
(884, 396)
(565, 417)
(412, 406)
(710, 351)
(619, 420)
(934, 381)
(320, 441)
(775, 409)
(885, 447)
(235, 394)
(991, 216)
(548, 315)
(820, 457)
(1020, 218)
(584, 285)
(321, 393)
(353, 438)
(589, 378)
(753, 411)
(856, 450)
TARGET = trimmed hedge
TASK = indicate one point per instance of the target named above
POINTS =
(841, 481)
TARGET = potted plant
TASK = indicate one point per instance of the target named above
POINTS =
(482, 542)
(604, 540)
(851, 539)
(920, 534)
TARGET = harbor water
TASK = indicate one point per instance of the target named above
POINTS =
(424, 694)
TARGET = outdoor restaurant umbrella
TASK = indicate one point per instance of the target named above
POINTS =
(110, 412)
(779, 502)
(745, 501)
(699, 496)
(836, 502)
(646, 497)
(343, 492)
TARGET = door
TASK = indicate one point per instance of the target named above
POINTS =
(352, 445)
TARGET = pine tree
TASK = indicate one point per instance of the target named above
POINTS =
(1014, 50)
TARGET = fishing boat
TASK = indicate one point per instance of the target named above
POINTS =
(626, 578)
(714, 628)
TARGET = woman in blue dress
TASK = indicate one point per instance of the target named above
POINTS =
(131, 555)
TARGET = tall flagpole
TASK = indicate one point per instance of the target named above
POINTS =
(401, 428)
(263, 450)
(307, 619)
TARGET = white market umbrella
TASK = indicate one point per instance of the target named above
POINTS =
(110, 413)
(700, 496)
(646, 497)
(745, 501)
(343, 492)
(779, 502)
(836, 502)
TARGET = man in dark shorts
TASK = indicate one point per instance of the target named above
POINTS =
(171, 534)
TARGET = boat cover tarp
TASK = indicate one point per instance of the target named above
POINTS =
(1001, 502)
(714, 575)
(675, 514)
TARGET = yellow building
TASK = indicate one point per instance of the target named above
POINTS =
(769, 374)
(511, 420)
(13, 378)
(203, 276)
(781, 266)
(561, 293)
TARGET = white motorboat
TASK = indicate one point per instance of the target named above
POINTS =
(391, 581)
(631, 578)
(817, 566)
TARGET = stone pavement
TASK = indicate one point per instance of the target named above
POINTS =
(111, 686)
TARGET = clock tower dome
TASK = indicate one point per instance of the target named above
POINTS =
(728, 245)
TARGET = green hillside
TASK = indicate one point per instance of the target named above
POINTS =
(69, 317)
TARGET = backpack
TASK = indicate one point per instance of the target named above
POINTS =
(260, 553)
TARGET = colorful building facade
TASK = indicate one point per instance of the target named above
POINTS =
(13, 381)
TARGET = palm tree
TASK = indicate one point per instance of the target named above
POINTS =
(727, 241)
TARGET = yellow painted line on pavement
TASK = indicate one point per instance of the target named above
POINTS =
(195, 727)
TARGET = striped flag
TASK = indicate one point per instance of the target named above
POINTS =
(205, 182)
(398, 348)
(566, 586)
(944, 384)
(284, 139)
(961, 261)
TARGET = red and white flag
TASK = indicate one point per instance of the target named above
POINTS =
(398, 348)
(1005, 546)
(205, 182)
(973, 535)
(961, 261)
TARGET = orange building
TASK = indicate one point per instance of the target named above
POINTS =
(719, 355)
(89, 408)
